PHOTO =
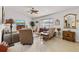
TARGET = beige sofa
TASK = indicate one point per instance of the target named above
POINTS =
(26, 36)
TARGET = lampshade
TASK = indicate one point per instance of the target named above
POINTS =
(9, 21)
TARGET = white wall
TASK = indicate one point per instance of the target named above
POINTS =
(60, 16)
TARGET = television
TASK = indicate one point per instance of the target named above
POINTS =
(20, 22)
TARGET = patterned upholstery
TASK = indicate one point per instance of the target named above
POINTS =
(3, 48)
(26, 36)
(51, 33)
(15, 38)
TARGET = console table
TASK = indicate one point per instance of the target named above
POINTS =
(69, 35)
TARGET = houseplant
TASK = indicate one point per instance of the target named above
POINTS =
(32, 24)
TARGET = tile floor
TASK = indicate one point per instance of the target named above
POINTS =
(53, 45)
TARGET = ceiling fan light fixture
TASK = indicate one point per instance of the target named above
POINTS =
(34, 11)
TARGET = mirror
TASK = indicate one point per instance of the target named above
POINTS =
(70, 21)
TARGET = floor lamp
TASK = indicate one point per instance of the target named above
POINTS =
(3, 15)
(10, 21)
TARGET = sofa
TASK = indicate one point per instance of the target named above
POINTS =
(7, 38)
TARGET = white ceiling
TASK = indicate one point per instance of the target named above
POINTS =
(43, 10)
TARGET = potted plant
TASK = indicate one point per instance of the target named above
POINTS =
(32, 24)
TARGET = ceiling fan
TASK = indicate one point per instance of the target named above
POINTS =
(33, 11)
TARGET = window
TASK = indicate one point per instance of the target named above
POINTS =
(47, 23)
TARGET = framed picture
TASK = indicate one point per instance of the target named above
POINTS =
(57, 22)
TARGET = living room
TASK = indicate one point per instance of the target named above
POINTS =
(46, 26)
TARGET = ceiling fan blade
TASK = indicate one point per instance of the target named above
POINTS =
(32, 10)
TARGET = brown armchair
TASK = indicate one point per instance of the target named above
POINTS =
(26, 36)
